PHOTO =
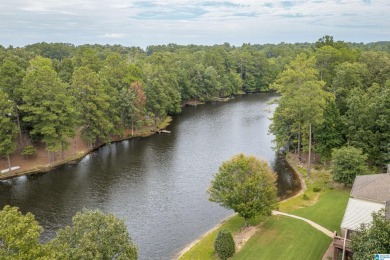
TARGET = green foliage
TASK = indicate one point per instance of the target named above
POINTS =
(373, 238)
(48, 107)
(28, 150)
(224, 244)
(93, 101)
(328, 135)
(367, 122)
(347, 163)
(94, 235)
(19, 236)
(317, 189)
(8, 128)
(246, 185)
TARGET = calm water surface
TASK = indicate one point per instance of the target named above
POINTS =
(156, 184)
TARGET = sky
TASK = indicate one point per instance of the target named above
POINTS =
(143, 23)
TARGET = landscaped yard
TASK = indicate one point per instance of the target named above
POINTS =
(281, 237)
(329, 209)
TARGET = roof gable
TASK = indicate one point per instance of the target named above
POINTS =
(375, 187)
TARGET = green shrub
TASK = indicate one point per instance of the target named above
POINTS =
(28, 150)
(316, 189)
(305, 197)
(224, 244)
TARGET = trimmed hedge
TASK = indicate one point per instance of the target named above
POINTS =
(224, 244)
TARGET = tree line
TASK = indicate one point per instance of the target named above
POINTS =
(50, 92)
(335, 96)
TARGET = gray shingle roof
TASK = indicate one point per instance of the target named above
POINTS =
(375, 187)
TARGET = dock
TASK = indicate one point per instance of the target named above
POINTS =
(163, 131)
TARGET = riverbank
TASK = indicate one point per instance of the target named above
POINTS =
(77, 150)
(318, 196)
(243, 237)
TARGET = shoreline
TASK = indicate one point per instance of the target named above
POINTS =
(43, 168)
(80, 155)
(300, 192)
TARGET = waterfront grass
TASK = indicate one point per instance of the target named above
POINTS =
(286, 238)
(329, 209)
(281, 237)
(204, 249)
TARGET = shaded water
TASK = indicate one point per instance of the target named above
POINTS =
(156, 184)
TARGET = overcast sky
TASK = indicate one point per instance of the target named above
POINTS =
(143, 23)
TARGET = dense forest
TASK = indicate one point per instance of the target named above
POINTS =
(333, 93)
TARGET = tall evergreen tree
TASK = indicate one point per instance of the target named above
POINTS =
(8, 128)
(48, 105)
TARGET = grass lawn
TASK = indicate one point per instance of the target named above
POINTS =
(282, 237)
(328, 211)
(204, 249)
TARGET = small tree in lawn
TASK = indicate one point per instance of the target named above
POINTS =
(224, 244)
(246, 185)
(347, 163)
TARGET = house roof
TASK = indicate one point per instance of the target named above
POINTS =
(373, 187)
(358, 212)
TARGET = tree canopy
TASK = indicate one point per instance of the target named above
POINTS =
(373, 238)
(246, 185)
(347, 163)
(59, 89)
(93, 235)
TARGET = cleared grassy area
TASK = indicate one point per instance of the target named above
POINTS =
(326, 206)
(328, 211)
(204, 249)
(282, 237)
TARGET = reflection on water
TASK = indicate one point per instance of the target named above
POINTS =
(157, 185)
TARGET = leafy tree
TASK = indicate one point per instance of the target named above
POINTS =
(367, 122)
(245, 185)
(93, 102)
(86, 56)
(347, 163)
(348, 76)
(372, 238)
(378, 66)
(65, 69)
(19, 236)
(11, 77)
(301, 104)
(327, 57)
(48, 106)
(8, 128)
(94, 235)
(224, 244)
(328, 135)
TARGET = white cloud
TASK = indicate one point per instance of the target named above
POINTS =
(146, 22)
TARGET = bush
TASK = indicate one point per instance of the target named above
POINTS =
(347, 163)
(305, 197)
(28, 150)
(316, 189)
(224, 244)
